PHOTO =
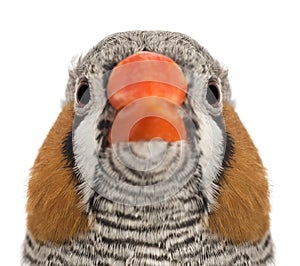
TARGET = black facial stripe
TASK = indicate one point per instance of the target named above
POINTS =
(228, 146)
(67, 150)
(104, 126)
(229, 152)
(68, 153)
(196, 124)
(105, 79)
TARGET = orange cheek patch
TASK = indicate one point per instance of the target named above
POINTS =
(242, 211)
(53, 205)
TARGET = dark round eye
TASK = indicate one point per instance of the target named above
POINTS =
(83, 95)
(213, 95)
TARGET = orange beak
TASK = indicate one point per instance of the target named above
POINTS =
(147, 89)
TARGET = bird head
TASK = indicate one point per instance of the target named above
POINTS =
(147, 117)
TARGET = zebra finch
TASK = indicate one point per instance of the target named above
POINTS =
(148, 164)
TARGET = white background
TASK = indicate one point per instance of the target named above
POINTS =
(257, 40)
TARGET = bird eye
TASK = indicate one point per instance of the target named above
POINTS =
(83, 95)
(213, 94)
